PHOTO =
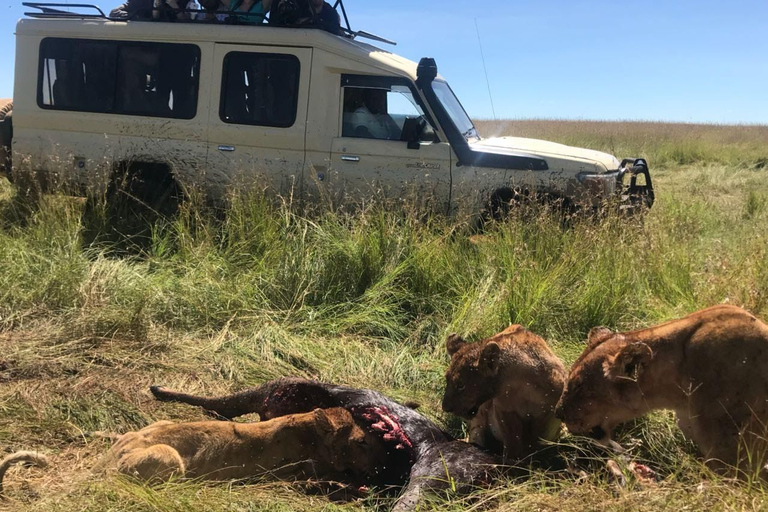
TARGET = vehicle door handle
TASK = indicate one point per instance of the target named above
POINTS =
(227, 148)
(350, 158)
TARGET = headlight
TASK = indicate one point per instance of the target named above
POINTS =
(603, 184)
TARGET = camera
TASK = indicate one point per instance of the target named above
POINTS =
(290, 12)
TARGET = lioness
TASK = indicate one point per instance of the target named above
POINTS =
(710, 367)
(325, 445)
(507, 387)
(419, 453)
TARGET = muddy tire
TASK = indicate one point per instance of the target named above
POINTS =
(501, 202)
(6, 136)
(137, 198)
(526, 205)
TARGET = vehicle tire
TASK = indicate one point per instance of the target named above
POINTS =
(503, 201)
(526, 205)
(6, 136)
(139, 196)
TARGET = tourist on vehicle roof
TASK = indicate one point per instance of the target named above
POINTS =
(213, 10)
(306, 13)
(254, 11)
(148, 9)
(326, 16)
(171, 10)
(133, 9)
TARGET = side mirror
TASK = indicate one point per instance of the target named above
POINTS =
(413, 128)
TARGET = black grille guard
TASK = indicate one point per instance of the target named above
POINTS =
(634, 196)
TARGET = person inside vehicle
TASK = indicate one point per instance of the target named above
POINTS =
(365, 115)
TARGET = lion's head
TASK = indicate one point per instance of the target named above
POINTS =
(603, 389)
(347, 446)
(470, 379)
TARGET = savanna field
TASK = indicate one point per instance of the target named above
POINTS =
(268, 290)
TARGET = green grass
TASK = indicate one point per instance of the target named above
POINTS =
(364, 299)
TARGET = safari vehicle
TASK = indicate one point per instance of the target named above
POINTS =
(290, 110)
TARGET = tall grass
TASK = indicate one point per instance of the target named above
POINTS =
(663, 144)
(215, 302)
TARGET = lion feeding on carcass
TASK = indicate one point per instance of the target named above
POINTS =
(710, 367)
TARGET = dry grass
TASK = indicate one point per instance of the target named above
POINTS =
(366, 301)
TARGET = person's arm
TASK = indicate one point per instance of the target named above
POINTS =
(121, 11)
(244, 6)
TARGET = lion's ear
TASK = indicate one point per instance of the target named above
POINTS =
(453, 343)
(330, 421)
(323, 423)
(597, 335)
(629, 363)
(489, 360)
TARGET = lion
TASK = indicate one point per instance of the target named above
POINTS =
(507, 386)
(324, 444)
(420, 455)
(710, 367)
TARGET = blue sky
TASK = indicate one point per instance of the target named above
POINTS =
(673, 60)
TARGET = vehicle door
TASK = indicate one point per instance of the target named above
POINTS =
(387, 145)
(256, 136)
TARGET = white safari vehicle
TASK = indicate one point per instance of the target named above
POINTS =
(291, 110)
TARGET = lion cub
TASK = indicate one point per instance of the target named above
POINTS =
(507, 387)
(710, 367)
(324, 444)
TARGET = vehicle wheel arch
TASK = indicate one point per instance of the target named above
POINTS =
(504, 199)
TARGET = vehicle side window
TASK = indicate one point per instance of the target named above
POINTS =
(379, 113)
(119, 77)
(260, 89)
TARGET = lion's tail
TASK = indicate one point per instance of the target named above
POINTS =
(228, 406)
(35, 458)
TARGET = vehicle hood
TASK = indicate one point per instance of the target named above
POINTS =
(546, 149)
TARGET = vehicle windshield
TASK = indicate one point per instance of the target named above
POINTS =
(454, 109)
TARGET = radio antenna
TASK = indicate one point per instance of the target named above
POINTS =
(485, 69)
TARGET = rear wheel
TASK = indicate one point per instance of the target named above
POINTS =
(6, 136)
(139, 196)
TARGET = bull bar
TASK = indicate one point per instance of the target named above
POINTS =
(635, 196)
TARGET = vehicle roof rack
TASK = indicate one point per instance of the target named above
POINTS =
(49, 10)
